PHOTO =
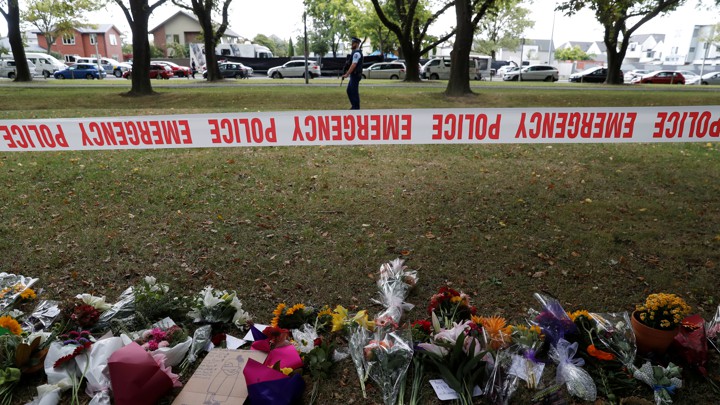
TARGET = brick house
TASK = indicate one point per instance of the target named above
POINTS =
(84, 41)
(183, 28)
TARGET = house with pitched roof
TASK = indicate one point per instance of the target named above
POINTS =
(183, 28)
(690, 45)
(103, 39)
(645, 48)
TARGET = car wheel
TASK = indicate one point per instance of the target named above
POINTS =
(118, 74)
(549, 79)
(276, 75)
(364, 77)
(11, 75)
(516, 79)
(129, 76)
(46, 74)
(704, 83)
(434, 76)
(159, 77)
(238, 76)
(61, 77)
(89, 76)
(394, 77)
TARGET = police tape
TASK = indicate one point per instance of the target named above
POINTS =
(367, 127)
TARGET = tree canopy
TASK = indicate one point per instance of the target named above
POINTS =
(502, 27)
(53, 19)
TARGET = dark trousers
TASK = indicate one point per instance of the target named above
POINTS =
(353, 92)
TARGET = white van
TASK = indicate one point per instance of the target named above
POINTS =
(7, 68)
(439, 68)
(45, 64)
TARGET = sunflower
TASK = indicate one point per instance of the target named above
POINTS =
(11, 325)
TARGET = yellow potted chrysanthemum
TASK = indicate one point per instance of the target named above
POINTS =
(657, 321)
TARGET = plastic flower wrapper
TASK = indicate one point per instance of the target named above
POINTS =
(61, 366)
(304, 338)
(392, 298)
(501, 384)
(663, 380)
(218, 306)
(96, 364)
(164, 337)
(712, 330)
(12, 287)
(200, 340)
(357, 341)
(690, 343)
(42, 317)
(123, 310)
(138, 378)
(268, 386)
(616, 334)
(569, 371)
(397, 271)
(527, 342)
(387, 357)
(552, 319)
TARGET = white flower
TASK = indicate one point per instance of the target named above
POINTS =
(209, 298)
(150, 280)
(96, 302)
(304, 338)
(241, 317)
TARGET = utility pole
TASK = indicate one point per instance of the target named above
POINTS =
(306, 46)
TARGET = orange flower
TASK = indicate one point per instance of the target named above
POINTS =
(11, 325)
(599, 354)
(494, 326)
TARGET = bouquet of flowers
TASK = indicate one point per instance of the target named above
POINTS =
(153, 300)
(394, 284)
(165, 338)
(662, 311)
(663, 380)
(85, 311)
(527, 341)
(10, 332)
(458, 355)
(569, 371)
(14, 287)
(553, 320)
(343, 322)
(216, 306)
(387, 357)
(62, 356)
(450, 306)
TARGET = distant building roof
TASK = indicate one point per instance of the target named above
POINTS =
(640, 38)
(89, 29)
(542, 44)
(228, 31)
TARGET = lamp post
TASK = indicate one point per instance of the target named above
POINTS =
(707, 50)
(552, 35)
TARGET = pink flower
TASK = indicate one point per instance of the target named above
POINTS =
(152, 345)
(164, 343)
(160, 360)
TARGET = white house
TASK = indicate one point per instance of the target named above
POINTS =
(645, 48)
(691, 45)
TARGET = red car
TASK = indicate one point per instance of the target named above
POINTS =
(179, 71)
(661, 77)
(157, 71)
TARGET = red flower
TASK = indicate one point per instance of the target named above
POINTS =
(424, 325)
(218, 339)
(85, 315)
(276, 336)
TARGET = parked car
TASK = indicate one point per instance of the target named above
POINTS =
(385, 70)
(545, 73)
(232, 69)
(439, 68)
(7, 69)
(506, 69)
(707, 78)
(597, 74)
(661, 77)
(178, 70)
(157, 71)
(294, 68)
(80, 71)
(630, 75)
(688, 75)
(111, 66)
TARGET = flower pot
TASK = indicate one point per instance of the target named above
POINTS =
(650, 339)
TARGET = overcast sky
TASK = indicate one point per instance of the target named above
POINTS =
(284, 19)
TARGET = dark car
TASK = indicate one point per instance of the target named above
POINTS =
(661, 77)
(157, 71)
(80, 71)
(232, 69)
(595, 74)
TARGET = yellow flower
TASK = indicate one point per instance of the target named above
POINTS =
(277, 312)
(9, 323)
(339, 316)
(581, 312)
(295, 308)
(28, 294)
(361, 318)
(286, 370)
(455, 299)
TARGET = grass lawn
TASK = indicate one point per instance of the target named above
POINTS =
(597, 226)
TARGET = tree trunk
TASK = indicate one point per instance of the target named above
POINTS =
(49, 39)
(615, 59)
(412, 60)
(141, 85)
(22, 70)
(211, 60)
(459, 83)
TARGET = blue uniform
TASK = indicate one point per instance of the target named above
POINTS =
(353, 90)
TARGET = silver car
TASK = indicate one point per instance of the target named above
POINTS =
(385, 70)
(544, 73)
(294, 68)
(708, 78)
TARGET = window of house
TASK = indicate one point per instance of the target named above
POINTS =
(632, 47)
(113, 39)
(93, 39)
(69, 39)
(692, 49)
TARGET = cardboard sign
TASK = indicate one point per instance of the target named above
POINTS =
(219, 378)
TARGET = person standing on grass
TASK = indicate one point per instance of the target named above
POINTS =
(354, 72)
(193, 68)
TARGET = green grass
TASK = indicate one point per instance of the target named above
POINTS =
(598, 226)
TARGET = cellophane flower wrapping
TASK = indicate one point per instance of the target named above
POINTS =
(552, 319)
(42, 317)
(201, 338)
(616, 334)
(387, 357)
(712, 330)
(304, 338)
(501, 384)
(394, 284)
(527, 342)
(123, 311)
(12, 286)
(569, 371)
(359, 338)
(96, 363)
(663, 380)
